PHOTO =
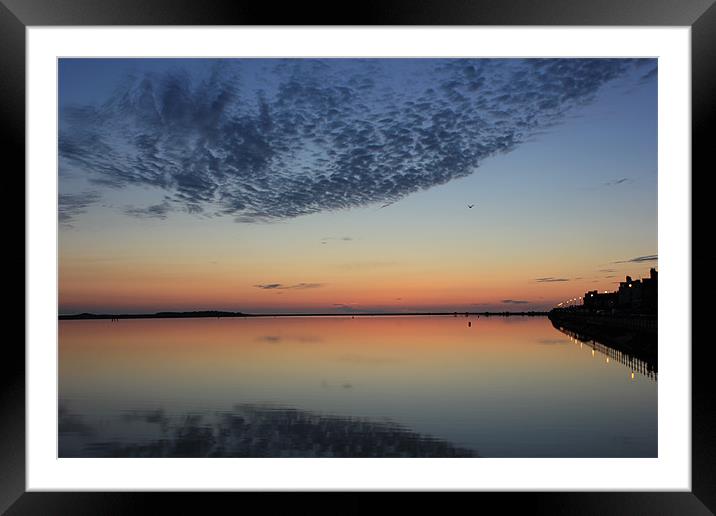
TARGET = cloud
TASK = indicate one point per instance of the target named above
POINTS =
(651, 74)
(618, 181)
(639, 259)
(318, 135)
(71, 205)
(341, 239)
(550, 280)
(275, 339)
(351, 308)
(272, 339)
(281, 286)
(158, 211)
(514, 302)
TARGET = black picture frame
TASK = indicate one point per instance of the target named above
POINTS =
(700, 15)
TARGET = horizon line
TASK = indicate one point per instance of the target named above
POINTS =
(221, 313)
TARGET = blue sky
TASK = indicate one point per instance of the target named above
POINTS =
(376, 155)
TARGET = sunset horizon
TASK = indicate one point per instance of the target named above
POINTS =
(353, 185)
(232, 230)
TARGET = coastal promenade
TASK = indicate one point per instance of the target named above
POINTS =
(632, 334)
(636, 322)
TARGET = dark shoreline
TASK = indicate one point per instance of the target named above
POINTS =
(636, 336)
(217, 314)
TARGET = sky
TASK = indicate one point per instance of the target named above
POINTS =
(344, 185)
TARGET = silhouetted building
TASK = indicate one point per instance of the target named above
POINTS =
(649, 295)
(629, 293)
(593, 300)
(639, 295)
(633, 296)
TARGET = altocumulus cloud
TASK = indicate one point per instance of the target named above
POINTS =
(71, 205)
(275, 139)
(158, 211)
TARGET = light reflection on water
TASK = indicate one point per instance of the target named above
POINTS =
(344, 387)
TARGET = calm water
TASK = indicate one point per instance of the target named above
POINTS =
(337, 386)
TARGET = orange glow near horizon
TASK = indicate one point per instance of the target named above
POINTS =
(137, 286)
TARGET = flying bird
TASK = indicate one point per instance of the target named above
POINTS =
(470, 205)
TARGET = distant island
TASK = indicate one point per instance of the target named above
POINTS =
(220, 314)
(157, 315)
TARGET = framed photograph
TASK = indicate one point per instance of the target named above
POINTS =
(426, 251)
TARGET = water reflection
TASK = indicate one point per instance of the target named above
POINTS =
(253, 431)
(645, 364)
(502, 387)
